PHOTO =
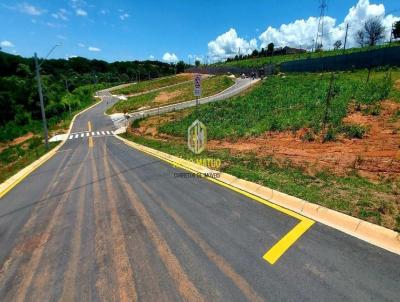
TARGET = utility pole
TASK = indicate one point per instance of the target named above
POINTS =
(40, 92)
(345, 38)
(39, 83)
(69, 100)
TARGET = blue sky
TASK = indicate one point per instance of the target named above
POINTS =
(127, 30)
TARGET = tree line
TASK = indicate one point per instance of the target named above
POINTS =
(19, 101)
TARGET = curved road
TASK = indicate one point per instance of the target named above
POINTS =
(239, 86)
(103, 222)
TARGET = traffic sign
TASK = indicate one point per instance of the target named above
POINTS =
(197, 85)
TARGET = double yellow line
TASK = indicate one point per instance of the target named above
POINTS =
(90, 138)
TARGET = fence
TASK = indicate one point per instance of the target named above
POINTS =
(379, 57)
(266, 70)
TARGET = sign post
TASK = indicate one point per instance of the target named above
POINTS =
(197, 88)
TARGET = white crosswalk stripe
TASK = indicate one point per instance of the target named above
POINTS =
(91, 133)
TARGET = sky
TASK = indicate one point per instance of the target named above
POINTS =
(172, 30)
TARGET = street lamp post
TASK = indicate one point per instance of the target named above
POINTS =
(40, 91)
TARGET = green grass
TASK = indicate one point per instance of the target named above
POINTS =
(288, 103)
(153, 84)
(259, 62)
(210, 86)
(352, 195)
(15, 158)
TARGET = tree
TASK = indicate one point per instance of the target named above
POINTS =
(197, 63)
(337, 44)
(360, 37)
(180, 67)
(396, 30)
(270, 49)
(371, 33)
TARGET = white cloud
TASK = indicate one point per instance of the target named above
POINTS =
(104, 11)
(194, 58)
(6, 43)
(61, 14)
(151, 57)
(124, 16)
(303, 32)
(170, 57)
(228, 45)
(29, 9)
(67, 57)
(81, 45)
(81, 12)
(61, 37)
(94, 49)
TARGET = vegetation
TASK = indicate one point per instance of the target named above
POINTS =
(290, 102)
(180, 93)
(19, 102)
(153, 84)
(261, 58)
(16, 157)
(372, 32)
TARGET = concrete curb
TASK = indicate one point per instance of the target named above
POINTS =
(10, 183)
(366, 231)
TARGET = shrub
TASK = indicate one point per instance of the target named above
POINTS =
(353, 130)
(330, 135)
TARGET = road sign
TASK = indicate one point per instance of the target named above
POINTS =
(197, 85)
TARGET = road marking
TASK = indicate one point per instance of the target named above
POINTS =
(274, 253)
(98, 133)
(82, 134)
(90, 138)
(102, 132)
(87, 134)
(77, 135)
(287, 241)
(71, 137)
(107, 132)
(67, 150)
(92, 133)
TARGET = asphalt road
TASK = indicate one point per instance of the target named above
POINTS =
(103, 222)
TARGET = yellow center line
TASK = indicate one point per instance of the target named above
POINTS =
(274, 253)
(90, 138)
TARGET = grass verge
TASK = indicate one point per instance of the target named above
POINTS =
(17, 157)
(172, 95)
(153, 84)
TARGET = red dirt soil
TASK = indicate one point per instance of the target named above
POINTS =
(375, 156)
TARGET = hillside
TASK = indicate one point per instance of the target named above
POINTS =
(251, 61)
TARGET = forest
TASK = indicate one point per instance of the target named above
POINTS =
(64, 82)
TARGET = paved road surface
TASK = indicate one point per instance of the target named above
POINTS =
(103, 222)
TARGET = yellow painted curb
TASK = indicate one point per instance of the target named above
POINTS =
(14, 180)
(366, 231)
